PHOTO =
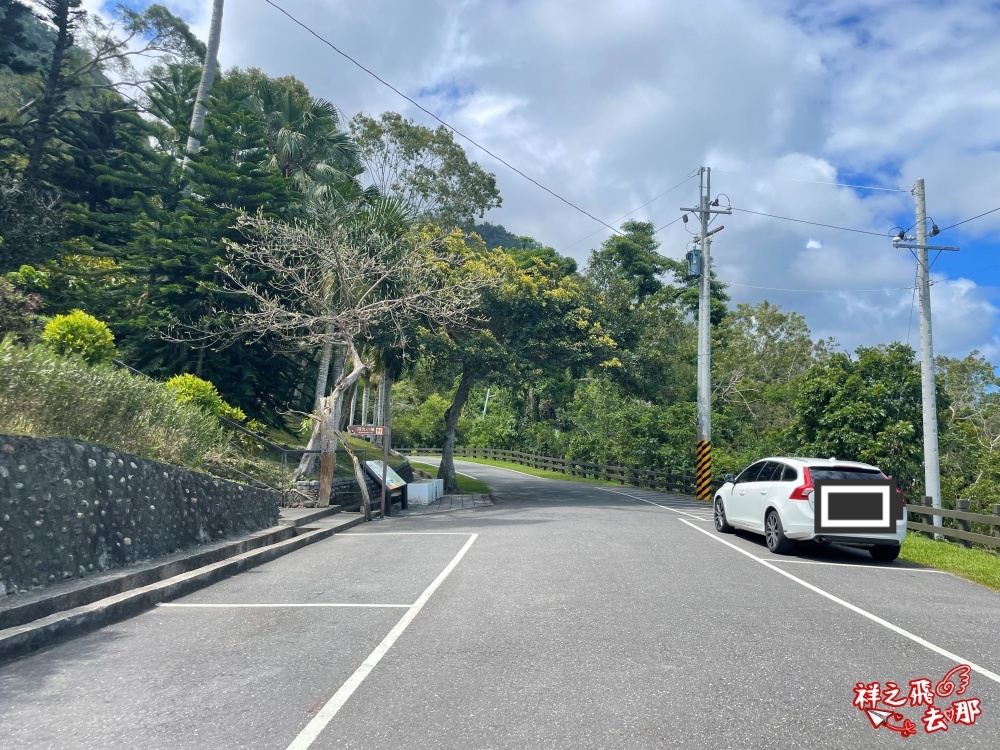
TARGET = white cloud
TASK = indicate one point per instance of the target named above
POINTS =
(610, 104)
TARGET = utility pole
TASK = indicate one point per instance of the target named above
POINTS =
(703, 453)
(932, 468)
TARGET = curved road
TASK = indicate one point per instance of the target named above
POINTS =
(565, 616)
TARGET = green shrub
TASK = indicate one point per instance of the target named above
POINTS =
(190, 389)
(80, 334)
(48, 395)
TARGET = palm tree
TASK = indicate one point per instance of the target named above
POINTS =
(307, 143)
(208, 71)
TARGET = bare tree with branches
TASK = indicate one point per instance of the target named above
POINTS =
(331, 282)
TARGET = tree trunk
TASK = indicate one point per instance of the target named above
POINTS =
(354, 404)
(324, 372)
(359, 369)
(365, 398)
(330, 422)
(339, 358)
(385, 439)
(49, 102)
(447, 469)
(205, 86)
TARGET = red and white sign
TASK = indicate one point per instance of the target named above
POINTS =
(365, 429)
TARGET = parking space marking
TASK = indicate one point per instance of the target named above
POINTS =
(358, 534)
(856, 565)
(854, 608)
(180, 605)
(665, 507)
(313, 729)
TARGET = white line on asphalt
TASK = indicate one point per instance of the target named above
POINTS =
(457, 472)
(357, 534)
(857, 565)
(312, 730)
(665, 507)
(864, 613)
(276, 606)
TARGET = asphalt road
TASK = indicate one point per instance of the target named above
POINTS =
(566, 616)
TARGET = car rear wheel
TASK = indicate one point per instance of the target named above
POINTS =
(886, 552)
(721, 524)
(774, 535)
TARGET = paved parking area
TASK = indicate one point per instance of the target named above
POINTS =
(565, 616)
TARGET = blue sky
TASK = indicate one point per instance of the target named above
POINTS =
(612, 103)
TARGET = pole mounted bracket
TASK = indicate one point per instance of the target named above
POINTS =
(708, 210)
(924, 247)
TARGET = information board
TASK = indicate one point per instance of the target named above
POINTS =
(392, 480)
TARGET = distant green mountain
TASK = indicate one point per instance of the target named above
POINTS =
(496, 235)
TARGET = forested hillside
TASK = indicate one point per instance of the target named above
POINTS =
(299, 254)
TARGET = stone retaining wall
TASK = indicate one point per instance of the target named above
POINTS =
(69, 508)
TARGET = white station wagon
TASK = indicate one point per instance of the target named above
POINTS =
(775, 497)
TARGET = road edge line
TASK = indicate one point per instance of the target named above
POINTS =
(854, 608)
(665, 507)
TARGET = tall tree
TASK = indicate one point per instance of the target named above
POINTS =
(328, 283)
(208, 70)
(425, 169)
(864, 409)
(532, 322)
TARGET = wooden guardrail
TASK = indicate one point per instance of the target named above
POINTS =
(626, 475)
(966, 528)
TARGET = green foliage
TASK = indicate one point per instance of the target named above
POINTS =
(627, 265)
(425, 169)
(422, 425)
(864, 409)
(190, 389)
(80, 334)
(18, 312)
(48, 395)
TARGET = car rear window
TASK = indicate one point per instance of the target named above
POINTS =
(843, 472)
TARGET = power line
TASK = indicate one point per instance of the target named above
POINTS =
(821, 291)
(455, 130)
(815, 182)
(686, 180)
(668, 224)
(814, 223)
(966, 221)
(978, 270)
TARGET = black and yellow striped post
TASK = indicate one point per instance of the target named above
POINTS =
(703, 471)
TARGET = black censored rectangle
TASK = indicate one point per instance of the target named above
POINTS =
(854, 506)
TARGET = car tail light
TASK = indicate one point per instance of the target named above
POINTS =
(898, 491)
(804, 490)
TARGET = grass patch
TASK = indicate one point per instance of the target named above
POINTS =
(465, 484)
(978, 566)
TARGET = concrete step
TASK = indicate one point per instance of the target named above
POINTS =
(296, 517)
(83, 617)
(18, 610)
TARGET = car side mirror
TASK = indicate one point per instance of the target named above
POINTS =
(729, 478)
